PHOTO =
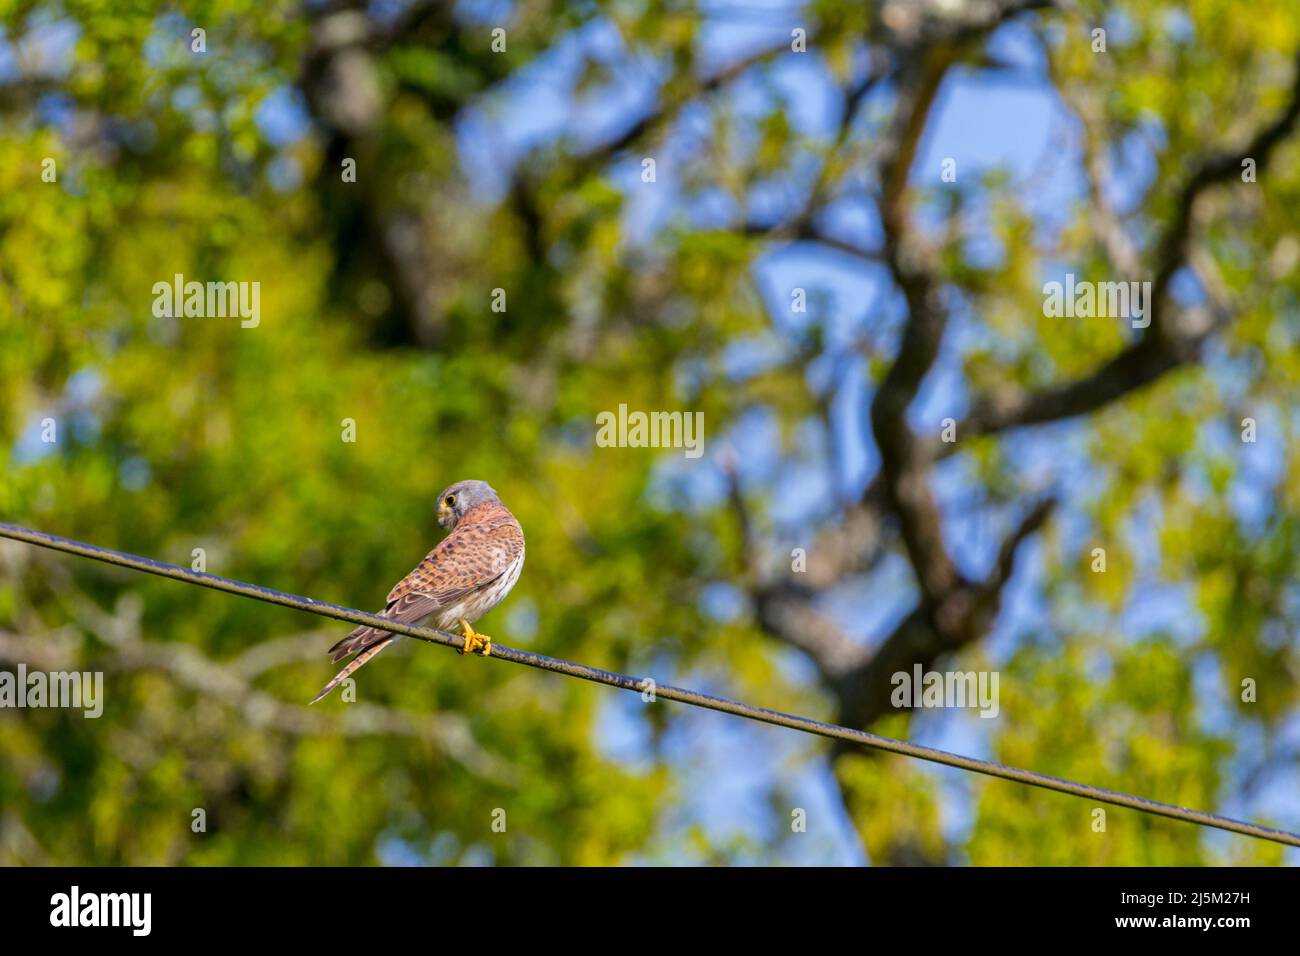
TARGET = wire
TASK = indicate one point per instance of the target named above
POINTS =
(643, 685)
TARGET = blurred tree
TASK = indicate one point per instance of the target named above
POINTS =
(334, 153)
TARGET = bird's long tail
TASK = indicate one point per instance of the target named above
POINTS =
(355, 663)
(357, 641)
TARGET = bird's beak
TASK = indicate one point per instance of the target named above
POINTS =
(444, 515)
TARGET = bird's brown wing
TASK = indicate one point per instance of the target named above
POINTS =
(408, 609)
(471, 557)
(478, 552)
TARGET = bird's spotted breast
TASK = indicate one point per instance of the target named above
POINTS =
(474, 605)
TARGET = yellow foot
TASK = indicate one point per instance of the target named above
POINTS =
(475, 642)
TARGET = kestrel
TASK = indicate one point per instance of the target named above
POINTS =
(468, 574)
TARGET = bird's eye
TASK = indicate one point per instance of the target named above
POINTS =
(451, 501)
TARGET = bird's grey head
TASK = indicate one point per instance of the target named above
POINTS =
(456, 500)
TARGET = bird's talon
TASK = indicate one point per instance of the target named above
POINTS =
(474, 641)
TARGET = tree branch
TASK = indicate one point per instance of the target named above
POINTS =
(1163, 346)
(922, 637)
(783, 608)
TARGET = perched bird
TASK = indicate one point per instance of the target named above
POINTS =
(468, 574)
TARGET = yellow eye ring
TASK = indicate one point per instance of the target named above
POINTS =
(450, 501)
